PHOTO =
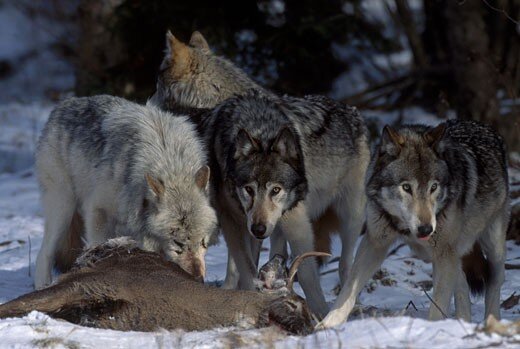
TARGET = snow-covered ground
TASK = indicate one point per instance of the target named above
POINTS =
(394, 304)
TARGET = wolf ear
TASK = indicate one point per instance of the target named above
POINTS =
(156, 185)
(179, 55)
(286, 144)
(202, 177)
(391, 141)
(434, 135)
(197, 40)
(245, 144)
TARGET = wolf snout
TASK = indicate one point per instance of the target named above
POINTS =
(259, 230)
(193, 265)
(424, 231)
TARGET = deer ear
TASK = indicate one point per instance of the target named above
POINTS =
(156, 185)
(391, 141)
(197, 40)
(202, 177)
(245, 144)
(178, 54)
(286, 144)
(433, 136)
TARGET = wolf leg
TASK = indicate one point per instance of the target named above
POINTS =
(447, 267)
(96, 224)
(350, 211)
(493, 242)
(232, 276)
(350, 207)
(278, 244)
(58, 208)
(239, 248)
(370, 255)
(462, 301)
(297, 230)
(256, 247)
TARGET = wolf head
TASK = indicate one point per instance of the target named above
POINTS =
(260, 159)
(180, 220)
(192, 76)
(410, 180)
(268, 178)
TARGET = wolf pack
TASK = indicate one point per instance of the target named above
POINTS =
(214, 152)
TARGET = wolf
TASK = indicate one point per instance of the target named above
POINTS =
(444, 190)
(279, 163)
(191, 78)
(120, 168)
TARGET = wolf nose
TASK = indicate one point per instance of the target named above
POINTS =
(424, 230)
(258, 230)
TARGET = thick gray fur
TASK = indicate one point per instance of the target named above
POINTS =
(457, 179)
(320, 164)
(331, 142)
(127, 169)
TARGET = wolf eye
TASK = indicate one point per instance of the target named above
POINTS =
(204, 244)
(407, 188)
(276, 190)
(249, 190)
(179, 244)
(434, 187)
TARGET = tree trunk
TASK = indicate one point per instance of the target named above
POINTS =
(99, 50)
(475, 73)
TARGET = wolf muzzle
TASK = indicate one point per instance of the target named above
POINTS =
(259, 231)
(424, 231)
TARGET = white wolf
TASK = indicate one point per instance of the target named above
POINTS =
(122, 169)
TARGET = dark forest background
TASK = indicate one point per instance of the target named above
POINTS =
(466, 54)
(458, 57)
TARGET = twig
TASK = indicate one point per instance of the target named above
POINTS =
(443, 313)
(412, 304)
(512, 266)
(29, 269)
(394, 251)
(501, 10)
(329, 271)
(433, 302)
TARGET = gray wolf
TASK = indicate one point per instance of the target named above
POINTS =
(192, 76)
(279, 163)
(118, 286)
(444, 190)
(109, 167)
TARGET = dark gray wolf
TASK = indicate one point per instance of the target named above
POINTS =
(444, 190)
(194, 77)
(277, 164)
(125, 169)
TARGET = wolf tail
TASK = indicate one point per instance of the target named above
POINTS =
(71, 246)
(477, 269)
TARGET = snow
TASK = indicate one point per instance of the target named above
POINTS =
(393, 306)
(387, 318)
(30, 46)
